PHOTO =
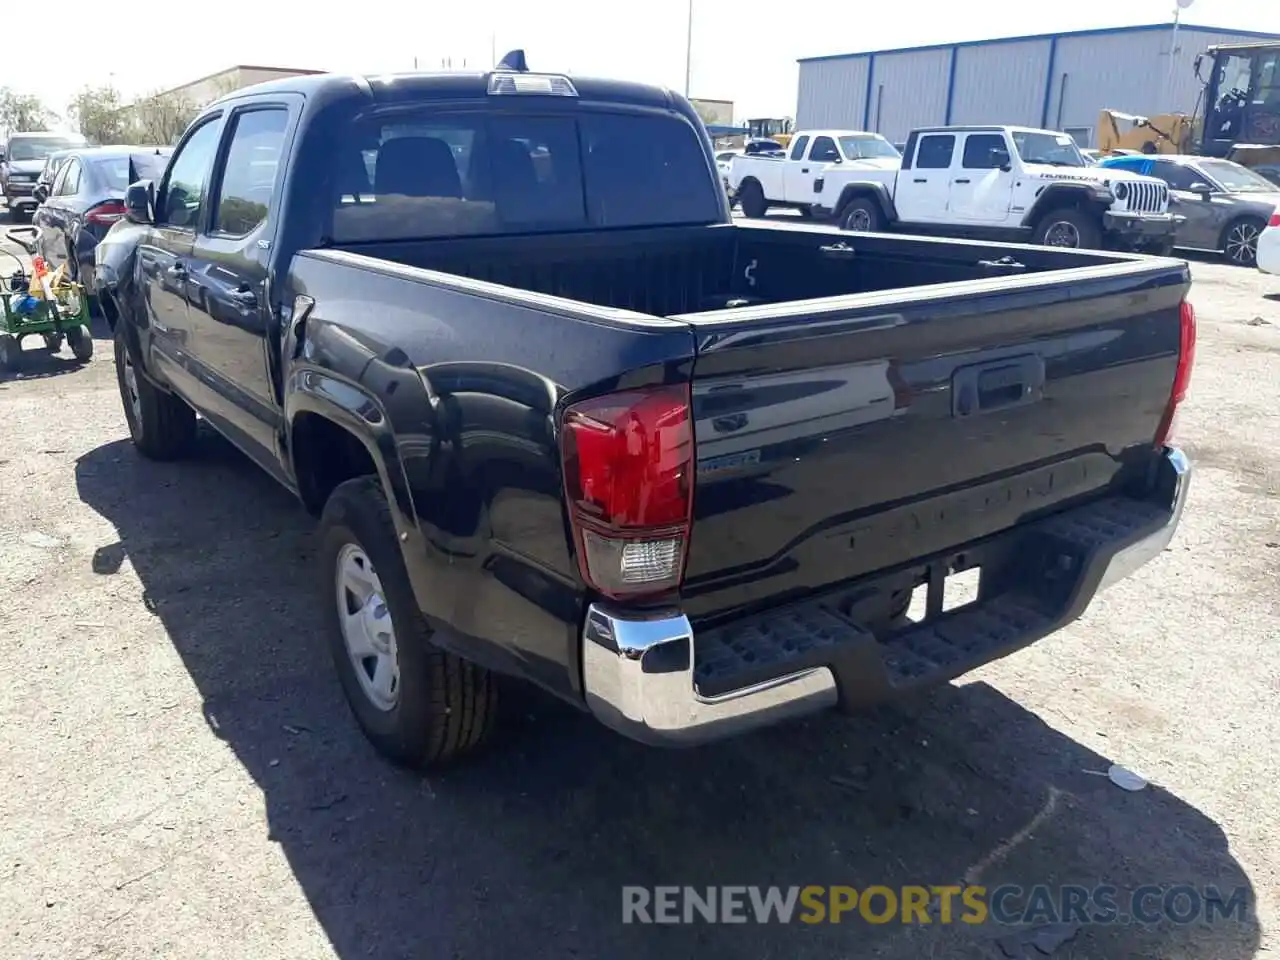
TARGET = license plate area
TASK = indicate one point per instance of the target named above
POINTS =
(945, 586)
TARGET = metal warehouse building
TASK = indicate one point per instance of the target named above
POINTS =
(1059, 81)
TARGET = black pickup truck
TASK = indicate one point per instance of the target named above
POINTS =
(561, 418)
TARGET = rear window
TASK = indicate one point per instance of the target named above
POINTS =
(118, 172)
(481, 173)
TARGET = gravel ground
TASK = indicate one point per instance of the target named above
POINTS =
(183, 780)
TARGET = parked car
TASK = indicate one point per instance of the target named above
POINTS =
(585, 429)
(25, 154)
(1225, 206)
(1001, 183)
(85, 199)
(50, 170)
(1269, 246)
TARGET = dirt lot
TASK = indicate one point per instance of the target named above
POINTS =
(182, 779)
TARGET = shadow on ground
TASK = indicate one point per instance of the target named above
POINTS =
(525, 850)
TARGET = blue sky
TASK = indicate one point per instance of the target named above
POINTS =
(743, 50)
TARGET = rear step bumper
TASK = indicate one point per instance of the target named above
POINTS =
(648, 678)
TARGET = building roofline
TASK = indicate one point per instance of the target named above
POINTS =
(1061, 34)
(225, 70)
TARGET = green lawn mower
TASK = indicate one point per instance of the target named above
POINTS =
(57, 319)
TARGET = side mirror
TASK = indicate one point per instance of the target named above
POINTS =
(1202, 190)
(1001, 160)
(41, 192)
(139, 202)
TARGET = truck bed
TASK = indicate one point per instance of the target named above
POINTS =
(864, 406)
(665, 272)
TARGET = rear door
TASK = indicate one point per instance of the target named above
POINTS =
(833, 442)
(981, 188)
(231, 317)
(922, 192)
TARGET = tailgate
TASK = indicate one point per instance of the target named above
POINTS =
(840, 437)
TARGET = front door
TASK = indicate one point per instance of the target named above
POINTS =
(982, 183)
(181, 206)
(1205, 213)
(227, 280)
(922, 191)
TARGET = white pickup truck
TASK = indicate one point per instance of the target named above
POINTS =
(999, 183)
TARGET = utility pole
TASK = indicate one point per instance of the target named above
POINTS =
(688, 50)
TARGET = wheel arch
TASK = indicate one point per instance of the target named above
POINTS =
(867, 189)
(1056, 196)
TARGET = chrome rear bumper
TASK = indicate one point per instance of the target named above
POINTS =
(638, 668)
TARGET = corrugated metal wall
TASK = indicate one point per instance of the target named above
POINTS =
(832, 94)
(1000, 83)
(1127, 72)
(1003, 82)
(908, 90)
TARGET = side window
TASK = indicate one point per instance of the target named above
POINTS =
(797, 148)
(824, 150)
(184, 193)
(249, 173)
(1176, 176)
(935, 151)
(69, 180)
(984, 151)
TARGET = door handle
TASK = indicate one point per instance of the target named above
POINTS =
(804, 169)
(920, 180)
(243, 297)
(959, 181)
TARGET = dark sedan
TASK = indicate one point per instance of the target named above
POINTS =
(1226, 206)
(86, 198)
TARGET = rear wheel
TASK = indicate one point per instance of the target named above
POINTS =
(162, 426)
(419, 705)
(1240, 241)
(752, 199)
(862, 215)
(1069, 227)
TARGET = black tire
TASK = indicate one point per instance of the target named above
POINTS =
(861, 215)
(751, 198)
(444, 706)
(1088, 230)
(161, 424)
(10, 352)
(81, 343)
(1240, 241)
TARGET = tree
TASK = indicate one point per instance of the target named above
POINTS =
(21, 112)
(101, 116)
(162, 117)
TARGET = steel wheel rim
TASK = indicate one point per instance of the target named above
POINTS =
(367, 632)
(858, 221)
(1062, 234)
(1242, 241)
(131, 387)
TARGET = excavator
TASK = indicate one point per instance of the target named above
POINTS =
(1240, 119)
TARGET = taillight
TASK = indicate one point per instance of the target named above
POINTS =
(105, 213)
(628, 473)
(1181, 374)
(1275, 219)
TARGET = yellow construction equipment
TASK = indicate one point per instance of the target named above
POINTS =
(1165, 133)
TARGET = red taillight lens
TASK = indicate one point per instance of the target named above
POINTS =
(1275, 219)
(628, 472)
(1181, 374)
(105, 213)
